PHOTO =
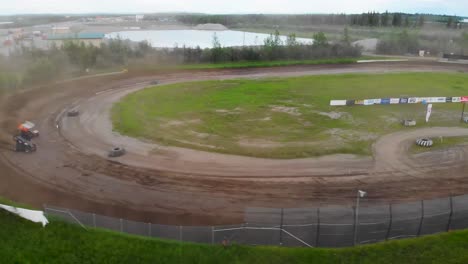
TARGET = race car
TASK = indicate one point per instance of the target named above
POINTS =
(26, 130)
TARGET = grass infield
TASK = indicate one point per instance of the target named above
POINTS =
(285, 117)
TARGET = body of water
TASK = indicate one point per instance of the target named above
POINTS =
(194, 38)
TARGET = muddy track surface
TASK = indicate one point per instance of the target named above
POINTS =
(171, 185)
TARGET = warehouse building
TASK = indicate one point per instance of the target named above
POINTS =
(94, 39)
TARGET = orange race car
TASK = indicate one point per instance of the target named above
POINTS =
(26, 131)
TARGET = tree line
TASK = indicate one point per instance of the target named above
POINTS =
(371, 19)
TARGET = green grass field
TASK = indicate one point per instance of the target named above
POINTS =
(22, 241)
(285, 117)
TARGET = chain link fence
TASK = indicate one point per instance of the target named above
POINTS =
(330, 226)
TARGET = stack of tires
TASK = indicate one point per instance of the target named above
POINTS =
(73, 113)
(116, 152)
(424, 142)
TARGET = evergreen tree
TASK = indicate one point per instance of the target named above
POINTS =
(346, 39)
(397, 20)
(450, 22)
(385, 19)
(320, 40)
(216, 54)
(421, 21)
(464, 42)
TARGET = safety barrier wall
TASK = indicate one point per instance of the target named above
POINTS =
(330, 226)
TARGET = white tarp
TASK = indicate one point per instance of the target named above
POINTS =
(32, 215)
(429, 111)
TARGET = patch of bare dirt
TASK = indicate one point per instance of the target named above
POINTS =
(333, 115)
(294, 111)
(175, 123)
(234, 111)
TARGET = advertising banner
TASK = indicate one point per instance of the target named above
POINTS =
(337, 102)
(403, 100)
(435, 99)
(385, 101)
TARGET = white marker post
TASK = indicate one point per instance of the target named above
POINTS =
(360, 194)
(428, 112)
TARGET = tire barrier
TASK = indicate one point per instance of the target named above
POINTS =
(424, 142)
(73, 113)
(116, 152)
(409, 122)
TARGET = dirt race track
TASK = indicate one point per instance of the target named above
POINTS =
(170, 185)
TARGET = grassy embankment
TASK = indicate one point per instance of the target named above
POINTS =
(285, 117)
(7, 78)
(139, 66)
(22, 241)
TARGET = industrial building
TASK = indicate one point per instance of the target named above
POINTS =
(94, 39)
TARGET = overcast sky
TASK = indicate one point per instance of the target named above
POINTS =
(449, 7)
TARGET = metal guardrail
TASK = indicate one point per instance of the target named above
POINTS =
(301, 227)
(455, 57)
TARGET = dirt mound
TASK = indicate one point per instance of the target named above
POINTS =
(209, 26)
(368, 45)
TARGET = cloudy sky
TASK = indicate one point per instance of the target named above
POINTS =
(449, 7)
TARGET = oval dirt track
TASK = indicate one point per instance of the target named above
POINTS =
(182, 186)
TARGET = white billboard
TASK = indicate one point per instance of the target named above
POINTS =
(337, 102)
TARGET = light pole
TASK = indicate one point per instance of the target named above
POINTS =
(360, 194)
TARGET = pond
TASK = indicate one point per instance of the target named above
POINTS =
(194, 38)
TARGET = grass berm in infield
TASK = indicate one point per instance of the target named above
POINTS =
(138, 66)
(285, 117)
(22, 241)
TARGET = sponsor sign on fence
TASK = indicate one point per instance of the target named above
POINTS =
(385, 101)
(337, 102)
(403, 100)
